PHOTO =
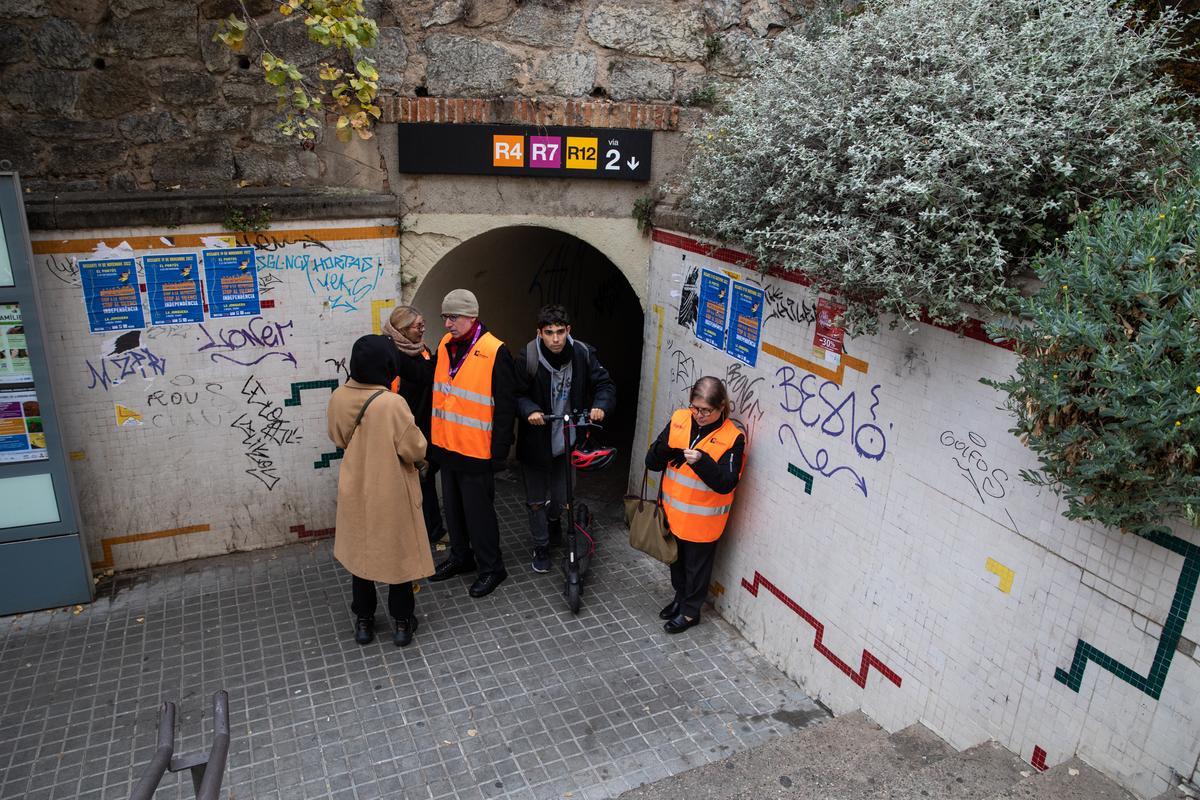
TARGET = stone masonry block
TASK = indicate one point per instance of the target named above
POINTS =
(60, 43)
(568, 74)
(462, 65)
(197, 163)
(42, 90)
(542, 26)
(656, 29)
(640, 78)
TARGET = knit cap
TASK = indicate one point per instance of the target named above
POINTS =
(461, 302)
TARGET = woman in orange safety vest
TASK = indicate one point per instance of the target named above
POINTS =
(701, 453)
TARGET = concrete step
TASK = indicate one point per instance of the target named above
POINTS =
(976, 772)
(848, 738)
(1073, 780)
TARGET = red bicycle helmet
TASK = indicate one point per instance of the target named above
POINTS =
(587, 457)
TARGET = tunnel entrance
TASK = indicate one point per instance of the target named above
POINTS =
(516, 270)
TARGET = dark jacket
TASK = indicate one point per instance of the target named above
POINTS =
(419, 371)
(418, 395)
(591, 387)
(720, 475)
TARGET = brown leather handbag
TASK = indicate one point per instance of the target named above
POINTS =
(647, 521)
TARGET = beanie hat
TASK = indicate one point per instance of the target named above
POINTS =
(461, 302)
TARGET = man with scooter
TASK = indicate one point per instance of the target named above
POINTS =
(555, 375)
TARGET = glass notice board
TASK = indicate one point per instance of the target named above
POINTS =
(43, 559)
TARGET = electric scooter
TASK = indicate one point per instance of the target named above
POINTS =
(584, 458)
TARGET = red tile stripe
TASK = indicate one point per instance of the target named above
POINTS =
(868, 658)
(1039, 759)
(972, 328)
(303, 533)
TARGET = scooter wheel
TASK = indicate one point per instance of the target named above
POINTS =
(572, 593)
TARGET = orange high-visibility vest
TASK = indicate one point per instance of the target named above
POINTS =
(395, 387)
(462, 406)
(695, 512)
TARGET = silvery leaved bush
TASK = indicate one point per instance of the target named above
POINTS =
(920, 153)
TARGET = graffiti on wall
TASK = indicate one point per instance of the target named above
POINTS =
(988, 482)
(743, 392)
(114, 368)
(270, 241)
(781, 306)
(689, 299)
(834, 412)
(265, 431)
(248, 343)
(187, 403)
(344, 280)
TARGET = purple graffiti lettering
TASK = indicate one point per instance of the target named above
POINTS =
(255, 333)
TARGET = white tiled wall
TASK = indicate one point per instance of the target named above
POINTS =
(902, 571)
(211, 394)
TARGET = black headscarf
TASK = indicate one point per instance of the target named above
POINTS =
(373, 360)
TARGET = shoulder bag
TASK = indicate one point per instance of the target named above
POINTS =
(647, 523)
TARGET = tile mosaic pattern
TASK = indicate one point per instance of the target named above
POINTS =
(506, 697)
(1152, 682)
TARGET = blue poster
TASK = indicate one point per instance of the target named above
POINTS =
(173, 288)
(713, 310)
(745, 322)
(111, 294)
(231, 276)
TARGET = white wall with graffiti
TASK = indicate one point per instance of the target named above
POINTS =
(884, 551)
(201, 438)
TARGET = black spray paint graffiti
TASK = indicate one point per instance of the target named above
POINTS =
(780, 306)
(683, 366)
(246, 341)
(339, 366)
(969, 460)
(689, 299)
(270, 242)
(267, 281)
(264, 430)
(65, 269)
(117, 367)
(559, 280)
(746, 408)
(832, 411)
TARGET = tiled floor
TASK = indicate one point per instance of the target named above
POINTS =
(510, 696)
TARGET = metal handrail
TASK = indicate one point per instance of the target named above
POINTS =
(207, 770)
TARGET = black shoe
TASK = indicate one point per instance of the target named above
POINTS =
(669, 610)
(541, 559)
(364, 630)
(487, 583)
(554, 528)
(679, 623)
(405, 628)
(450, 567)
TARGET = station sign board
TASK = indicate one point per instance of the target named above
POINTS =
(525, 150)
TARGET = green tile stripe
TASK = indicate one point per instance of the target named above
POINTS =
(1185, 590)
(300, 386)
(802, 475)
(327, 457)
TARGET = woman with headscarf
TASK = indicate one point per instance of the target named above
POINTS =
(380, 534)
(701, 453)
(406, 327)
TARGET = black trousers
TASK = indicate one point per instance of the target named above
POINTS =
(363, 599)
(471, 518)
(430, 507)
(691, 575)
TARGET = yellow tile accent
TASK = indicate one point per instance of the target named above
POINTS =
(654, 386)
(815, 368)
(111, 541)
(78, 455)
(376, 307)
(1004, 573)
(43, 247)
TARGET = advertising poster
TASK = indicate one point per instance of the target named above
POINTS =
(829, 335)
(22, 437)
(173, 288)
(745, 322)
(713, 308)
(14, 357)
(231, 277)
(111, 294)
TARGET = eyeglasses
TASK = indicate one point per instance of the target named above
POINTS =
(418, 325)
(701, 411)
(451, 317)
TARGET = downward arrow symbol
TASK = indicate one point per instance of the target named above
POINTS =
(633, 162)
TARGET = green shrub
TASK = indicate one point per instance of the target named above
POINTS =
(1107, 390)
(924, 150)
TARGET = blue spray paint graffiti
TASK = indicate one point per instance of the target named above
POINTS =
(833, 411)
(138, 362)
(345, 280)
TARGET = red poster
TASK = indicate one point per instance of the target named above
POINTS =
(829, 335)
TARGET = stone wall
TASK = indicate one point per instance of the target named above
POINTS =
(885, 553)
(134, 94)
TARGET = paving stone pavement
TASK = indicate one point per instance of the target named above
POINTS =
(510, 696)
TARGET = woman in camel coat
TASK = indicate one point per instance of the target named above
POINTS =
(380, 533)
